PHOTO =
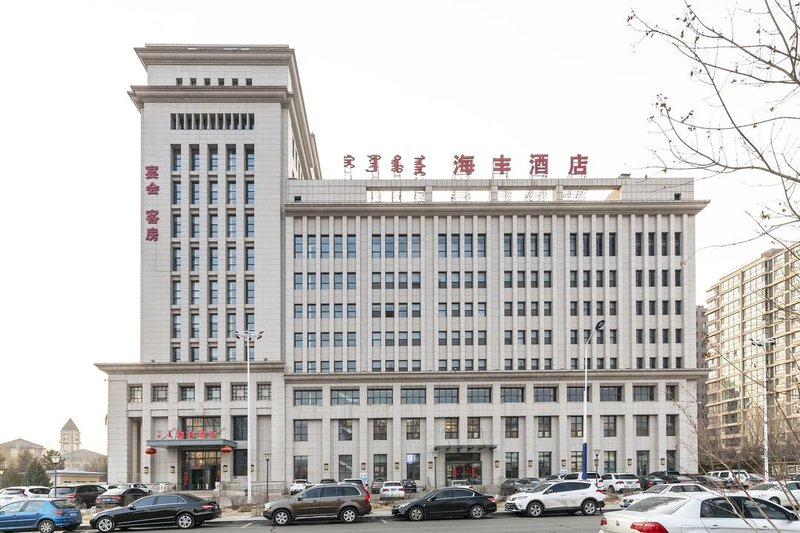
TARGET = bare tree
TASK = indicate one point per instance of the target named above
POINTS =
(744, 57)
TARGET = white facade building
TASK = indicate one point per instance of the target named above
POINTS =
(407, 335)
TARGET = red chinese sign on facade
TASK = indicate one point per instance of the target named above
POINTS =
(578, 164)
(174, 434)
(539, 164)
(397, 166)
(463, 164)
(349, 162)
(373, 163)
(151, 215)
(501, 165)
(419, 166)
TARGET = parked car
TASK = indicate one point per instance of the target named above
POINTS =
(326, 480)
(460, 483)
(646, 482)
(594, 477)
(667, 475)
(84, 496)
(298, 485)
(346, 502)
(353, 481)
(392, 489)
(410, 486)
(377, 483)
(782, 493)
(733, 478)
(120, 496)
(141, 486)
(10, 494)
(667, 489)
(615, 482)
(441, 503)
(511, 485)
(182, 510)
(701, 512)
(708, 481)
(44, 515)
(566, 496)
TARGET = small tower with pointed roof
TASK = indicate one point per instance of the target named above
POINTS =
(70, 437)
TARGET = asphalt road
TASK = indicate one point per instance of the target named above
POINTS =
(500, 522)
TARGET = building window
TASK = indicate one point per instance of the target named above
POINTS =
(512, 465)
(671, 393)
(445, 395)
(379, 466)
(575, 394)
(308, 397)
(409, 395)
(512, 394)
(512, 427)
(300, 430)
(345, 429)
(239, 427)
(545, 461)
(544, 394)
(610, 394)
(379, 429)
(300, 467)
(575, 426)
(609, 423)
(238, 392)
(186, 393)
(160, 393)
(135, 393)
(479, 395)
(672, 425)
(644, 393)
(642, 462)
(642, 424)
(412, 428)
(451, 428)
(213, 393)
(473, 427)
(412, 466)
(345, 466)
(544, 427)
(344, 397)
(264, 391)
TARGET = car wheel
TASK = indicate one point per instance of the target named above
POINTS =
(589, 507)
(476, 511)
(775, 500)
(281, 517)
(348, 515)
(105, 525)
(185, 521)
(535, 509)
(46, 526)
(415, 514)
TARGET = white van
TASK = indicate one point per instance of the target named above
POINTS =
(732, 478)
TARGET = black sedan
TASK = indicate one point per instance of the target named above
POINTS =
(119, 497)
(449, 502)
(182, 510)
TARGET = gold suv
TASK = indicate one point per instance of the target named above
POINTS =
(345, 501)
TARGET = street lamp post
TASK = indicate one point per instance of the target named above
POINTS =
(435, 455)
(765, 343)
(249, 335)
(585, 446)
(55, 458)
(267, 457)
(597, 461)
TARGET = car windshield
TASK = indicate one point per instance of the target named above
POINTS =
(13, 491)
(63, 504)
(60, 491)
(658, 505)
(767, 486)
(656, 489)
(626, 476)
(392, 484)
(542, 487)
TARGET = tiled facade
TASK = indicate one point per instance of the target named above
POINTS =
(413, 328)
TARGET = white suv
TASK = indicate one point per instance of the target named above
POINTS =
(620, 482)
(568, 496)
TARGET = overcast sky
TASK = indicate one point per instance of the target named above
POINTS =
(434, 78)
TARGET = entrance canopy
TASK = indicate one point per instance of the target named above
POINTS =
(464, 448)
(190, 443)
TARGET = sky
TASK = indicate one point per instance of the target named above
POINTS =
(413, 77)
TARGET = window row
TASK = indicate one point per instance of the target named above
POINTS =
(231, 257)
(470, 279)
(475, 394)
(211, 121)
(213, 356)
(324, 250)
(652, 307)
(677, 243)
(187, 392)
(220, 81)
(231, 229)
(665, 278)
(338, 366)
(467, 245)
(325, 339)
(532, 239)
(213, 162)
(667, 336)
(213, 324)
(327, 280)
(230, 296)
(325, 310)
(391, 246)
(231, 197)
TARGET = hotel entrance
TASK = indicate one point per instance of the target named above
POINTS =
(463, 466)
(200, 469)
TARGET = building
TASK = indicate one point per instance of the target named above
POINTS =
(426, 329)
(753, 317)
(12, 448)
(70, 439)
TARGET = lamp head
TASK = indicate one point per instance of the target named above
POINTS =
(599, 325)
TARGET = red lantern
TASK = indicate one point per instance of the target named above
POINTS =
(226, 449)
(150, 451)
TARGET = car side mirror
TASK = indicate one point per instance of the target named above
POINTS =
(548, 491)
(132, 507)
(299, 498)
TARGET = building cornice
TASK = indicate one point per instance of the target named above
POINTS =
(117, 369)
(496, 208)
(190, 54)
(142, 94)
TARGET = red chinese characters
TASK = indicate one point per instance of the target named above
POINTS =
(151, 215)
(501, 165)
(578, 165)
(463, 164)
(349, 162)
(419, 166)
(151, 235)
(151, 172)
(397, 166)
(152, 188)
(373, 163)
(539, 165)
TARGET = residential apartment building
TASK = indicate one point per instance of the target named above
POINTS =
(429, 329)
(753, 318)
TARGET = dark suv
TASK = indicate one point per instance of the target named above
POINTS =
(83, 496)
(344, 501)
